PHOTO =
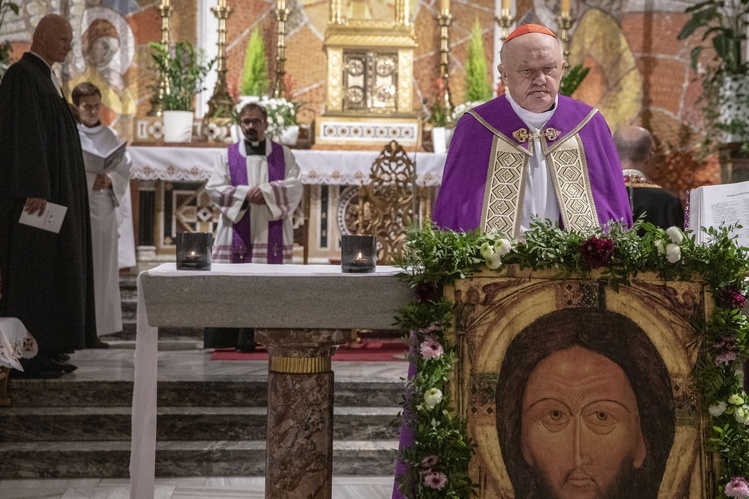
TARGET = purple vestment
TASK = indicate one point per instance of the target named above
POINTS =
(241, 237)
(461, 195)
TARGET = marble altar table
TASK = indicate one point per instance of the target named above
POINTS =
(301, 313)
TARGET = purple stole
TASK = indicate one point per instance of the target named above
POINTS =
(241, 241)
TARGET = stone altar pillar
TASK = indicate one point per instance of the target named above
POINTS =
(299, 450)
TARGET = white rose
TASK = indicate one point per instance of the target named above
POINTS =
(486, 250)
(717, 409)
(503, 247)
(742, 415)
(279, 119)
(660, 246)
(493, 261)
(674, 233)
(673, 253)
(432, 397)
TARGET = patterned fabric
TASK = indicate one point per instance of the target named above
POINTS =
(505, 187)
(570, 176)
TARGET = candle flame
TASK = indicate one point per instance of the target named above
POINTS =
(358, 256)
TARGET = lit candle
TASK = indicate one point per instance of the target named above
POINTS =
(505, 4)
(192, 257)
(222, 4)
(281, 4)
(165, 3)
(444, 7)
(565, 7)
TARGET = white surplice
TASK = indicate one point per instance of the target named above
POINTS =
(105, 227)
(281, 199)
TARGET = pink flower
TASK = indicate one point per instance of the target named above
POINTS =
(429, 461)
(725, 358)
(737, 487)
(431, 349)
(731, 297)
(597, 252)
(437, 480)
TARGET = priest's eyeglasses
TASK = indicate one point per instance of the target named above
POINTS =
(253, 121)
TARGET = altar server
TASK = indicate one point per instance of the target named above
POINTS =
(531, 152)
(107, 190)
(256, 186)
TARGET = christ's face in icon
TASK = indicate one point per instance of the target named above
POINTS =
(581, 425)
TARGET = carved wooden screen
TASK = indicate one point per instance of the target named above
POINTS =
(387, 204)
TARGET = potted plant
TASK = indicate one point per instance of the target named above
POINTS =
(185, 70)
(725, 76)
(439, 118)
(5, 47)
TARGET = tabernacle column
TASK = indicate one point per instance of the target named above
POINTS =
(299, 440)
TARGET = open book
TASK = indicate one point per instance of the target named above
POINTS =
(98, 163)
(713, 205)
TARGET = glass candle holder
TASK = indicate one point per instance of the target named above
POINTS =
(358, 253)
(194, 250)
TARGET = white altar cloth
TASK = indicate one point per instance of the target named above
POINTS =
(143, 444)
(195, 164)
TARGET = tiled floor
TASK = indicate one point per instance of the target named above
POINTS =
(186, 361)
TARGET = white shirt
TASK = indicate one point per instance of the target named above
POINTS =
(540, 198)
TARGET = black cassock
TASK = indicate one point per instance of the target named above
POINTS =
(47, 278)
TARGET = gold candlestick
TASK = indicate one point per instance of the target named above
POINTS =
(157, 108)
(445, 19)
(221, 105)
(282, 14)
(565, 22)
(504, 21)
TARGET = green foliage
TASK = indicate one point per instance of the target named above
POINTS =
(185, 69)
(255, 76)
(5, 47)
(478, 87)
(725, 77)
(434, 259)
(572, 79)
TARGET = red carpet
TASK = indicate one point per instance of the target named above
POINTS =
(366, 351)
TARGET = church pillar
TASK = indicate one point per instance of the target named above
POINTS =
(299, 442)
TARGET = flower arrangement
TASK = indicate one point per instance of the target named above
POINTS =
(281, 114)
(460, 109)
(439, 458)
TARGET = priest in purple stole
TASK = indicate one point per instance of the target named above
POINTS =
(256, 186)
(528, 153)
